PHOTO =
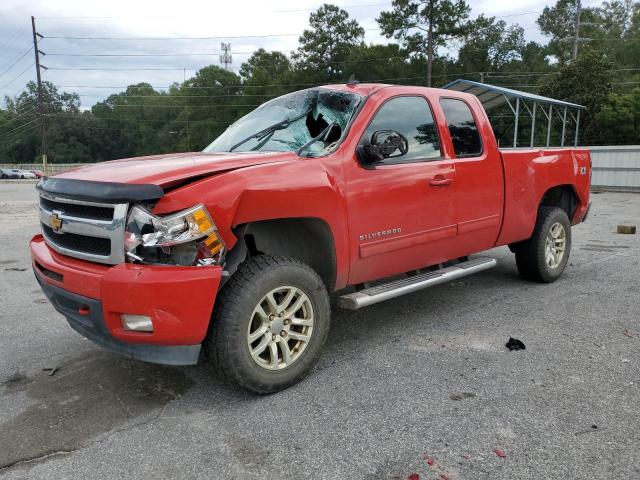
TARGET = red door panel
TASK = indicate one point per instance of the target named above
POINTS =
(401, 211)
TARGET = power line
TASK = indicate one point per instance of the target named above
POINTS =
(122, 69)
(20, 126)
(15, 136)
(17, 76)
(218, 37)
(178, 96)
(23, 88)
(210, 105)
(24, 54)
(12, 38)
(135, 120)
(210, 54)
(20, 115)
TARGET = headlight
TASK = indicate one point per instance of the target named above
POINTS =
(188, 237)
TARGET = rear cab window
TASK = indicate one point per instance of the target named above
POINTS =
(462, 127)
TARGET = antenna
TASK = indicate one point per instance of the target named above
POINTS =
(225, 55)
(352, 82)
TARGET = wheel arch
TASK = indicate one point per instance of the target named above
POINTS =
(307, 239)
(561, 196)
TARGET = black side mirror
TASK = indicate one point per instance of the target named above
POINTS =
(384, 144)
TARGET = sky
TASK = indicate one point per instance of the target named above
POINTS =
(273, 25)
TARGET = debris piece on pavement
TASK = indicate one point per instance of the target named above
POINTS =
(15, 269)
(593, 428)
(443, 476)
(52, 370)
(413, 476)
(627, 333)
(461, 396)
(625, 360)
(430, 460)
(514, 344)
(499, 453)
(627, 229)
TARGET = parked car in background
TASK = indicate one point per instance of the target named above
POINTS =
(9, 173)
(27, 174)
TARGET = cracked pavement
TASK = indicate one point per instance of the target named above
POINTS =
(422, 384)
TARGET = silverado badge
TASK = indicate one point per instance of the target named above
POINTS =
(56, 222)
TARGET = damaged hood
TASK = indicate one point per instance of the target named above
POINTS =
(165, 170)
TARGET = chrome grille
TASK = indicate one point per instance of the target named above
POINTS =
(78, 210)
(89, 230)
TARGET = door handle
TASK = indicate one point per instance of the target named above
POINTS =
(440, 181)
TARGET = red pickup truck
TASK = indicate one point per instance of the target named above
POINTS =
(370, 190)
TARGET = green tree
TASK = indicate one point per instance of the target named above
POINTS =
(324, 49)
(425, 26)
(587, 81)
(266, 75)
(23, 137)
(212, 100)
(492, 47)
(52, 100)
(559, 24)
(619, 119)
(619, 31)
(377, 63)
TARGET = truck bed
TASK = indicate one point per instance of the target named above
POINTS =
(527, 173)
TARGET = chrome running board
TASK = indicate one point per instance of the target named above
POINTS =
(396, 288)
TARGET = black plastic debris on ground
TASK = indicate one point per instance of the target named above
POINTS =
(514, 344)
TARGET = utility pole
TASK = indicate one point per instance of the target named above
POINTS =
(225, 55)
(577, 31)
(429, 52)
(481, 77)
(40, 99)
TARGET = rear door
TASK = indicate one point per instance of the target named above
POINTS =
(401, 210)
(479, 176)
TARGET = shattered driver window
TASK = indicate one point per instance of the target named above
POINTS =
(313, 120)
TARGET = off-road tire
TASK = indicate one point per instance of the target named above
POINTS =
(530, 254)
(226, 343)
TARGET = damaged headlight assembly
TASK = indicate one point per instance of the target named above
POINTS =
(186, 238)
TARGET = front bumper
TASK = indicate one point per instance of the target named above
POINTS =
(92, 297)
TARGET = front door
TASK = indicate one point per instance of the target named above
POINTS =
(401, 210)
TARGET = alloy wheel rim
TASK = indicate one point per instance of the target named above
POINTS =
(555, 245)
(280, 328)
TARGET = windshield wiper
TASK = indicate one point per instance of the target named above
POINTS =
(321, 136)
(281, 125)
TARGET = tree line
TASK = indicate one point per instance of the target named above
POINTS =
(141, 120)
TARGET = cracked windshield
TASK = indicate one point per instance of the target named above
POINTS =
(310, 122)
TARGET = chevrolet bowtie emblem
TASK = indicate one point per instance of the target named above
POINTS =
(56, 222)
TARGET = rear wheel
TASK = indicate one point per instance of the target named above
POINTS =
(544, 256)
(269, 325)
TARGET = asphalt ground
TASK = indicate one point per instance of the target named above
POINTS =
(422, 385)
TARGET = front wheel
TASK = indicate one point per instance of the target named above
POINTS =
(269, 324)
(544, 256)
